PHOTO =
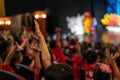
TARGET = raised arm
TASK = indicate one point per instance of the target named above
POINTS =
(36, 50)
(115, 67)
(78, 47)
(46, 58)
(58, 30)
(13, 48)
(10, 55)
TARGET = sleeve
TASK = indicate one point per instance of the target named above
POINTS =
(8, 68)
(36, 77)
(60, 55)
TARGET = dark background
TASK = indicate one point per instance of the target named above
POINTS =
(13, 7)
(58, 10)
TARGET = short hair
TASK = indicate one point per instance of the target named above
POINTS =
(100, 75)
(52, 44)
(91, 56)
(4, 45)
(59, 72)
(15, 57)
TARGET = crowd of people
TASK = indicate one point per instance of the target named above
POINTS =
(59, 59)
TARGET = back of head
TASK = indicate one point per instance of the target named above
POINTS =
(59, 72)
(102, 73)
(4, 45)
(17, 58)
(52, 44)
(91, 56)
(99, 75)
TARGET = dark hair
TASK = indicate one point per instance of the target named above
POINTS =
(91, 56)
(101, 55)
(73, 50)
(15, 57)
(59, 72)
(118, 61)
(99, 75)
(52, 44)
(72, 42)
(4, 45)
(16, 38)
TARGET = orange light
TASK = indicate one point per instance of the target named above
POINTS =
(5, 21)
(40, 14)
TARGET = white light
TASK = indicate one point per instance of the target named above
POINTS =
(7, 22)
(75, 24)
(37, 16)
(1, 22)
(114, 29)
(43, 15)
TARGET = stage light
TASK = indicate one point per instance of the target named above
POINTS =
(40, 14)
(37, 16)
(5, 21)
(43, 15)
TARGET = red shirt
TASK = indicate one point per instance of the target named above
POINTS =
(0, 68)
(76, 63)
(8, 68)
(58, 54)
(89, 71)
(36, 77)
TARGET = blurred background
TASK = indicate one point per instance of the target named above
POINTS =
(91, 20)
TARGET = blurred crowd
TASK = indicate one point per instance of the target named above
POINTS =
(31, 56)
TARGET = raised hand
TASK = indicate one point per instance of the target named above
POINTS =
(45, 54)
(37, 27)
(35, 47)
(19, 48)
(115, 56)
(57, 29)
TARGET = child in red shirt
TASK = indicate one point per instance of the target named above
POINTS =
(90, 65)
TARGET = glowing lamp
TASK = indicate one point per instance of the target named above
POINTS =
(43, 15)
(5, 21)
(40, 14)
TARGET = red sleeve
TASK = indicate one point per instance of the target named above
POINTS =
(0, 68)
(22, 40)
(36, 77)
(8, 68)
(60, 55)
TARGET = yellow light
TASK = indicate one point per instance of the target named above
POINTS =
(37, 16)
(40, 14)
(7, 22)
(1, 22)
(43, 15)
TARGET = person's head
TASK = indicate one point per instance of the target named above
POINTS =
(87, 14)
(52, 44)
(91, 56)
(17, 58)
(4, 46)
(58, 72)
(102, 73)
(101, 56)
